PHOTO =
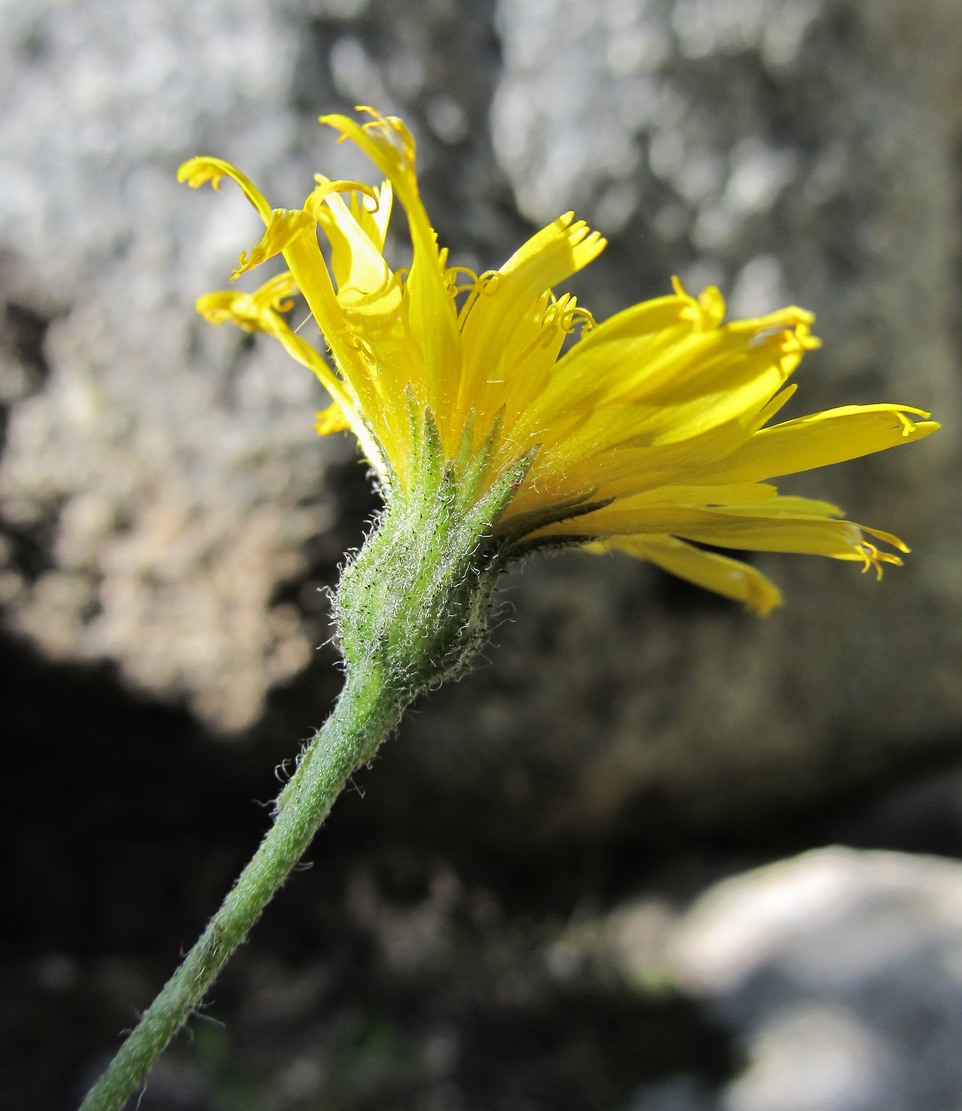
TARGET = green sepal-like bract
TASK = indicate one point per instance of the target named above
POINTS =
(413, 603)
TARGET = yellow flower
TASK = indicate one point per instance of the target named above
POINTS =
(648, 433)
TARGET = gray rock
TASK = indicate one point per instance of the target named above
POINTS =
(839, 973)
(789, 152)
(165, 506)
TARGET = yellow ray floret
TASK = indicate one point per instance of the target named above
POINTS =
(648, 433)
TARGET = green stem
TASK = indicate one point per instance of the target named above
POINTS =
(366, 711)
(411, 609)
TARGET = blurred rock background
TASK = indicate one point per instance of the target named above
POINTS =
(518, 907)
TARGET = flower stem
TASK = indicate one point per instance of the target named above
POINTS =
(366, 711)
(411, 610)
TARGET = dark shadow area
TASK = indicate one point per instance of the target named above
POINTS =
(126, 826)
(403, 965)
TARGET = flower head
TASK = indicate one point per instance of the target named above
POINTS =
(650, 432)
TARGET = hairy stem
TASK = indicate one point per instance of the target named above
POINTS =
(411, 609)
(366, 711)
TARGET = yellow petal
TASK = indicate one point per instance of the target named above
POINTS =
(374, 219)
(767, 530)
(356, 262)
(330, 420)
(365, 282)
(257, 312)
(284, 226)
(432, 318)
(650, 433)
(709, 570)
(508, 297)
(665, 373)
(821, 439)
(200, 171)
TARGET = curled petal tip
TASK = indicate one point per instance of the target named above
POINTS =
(198, 171)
